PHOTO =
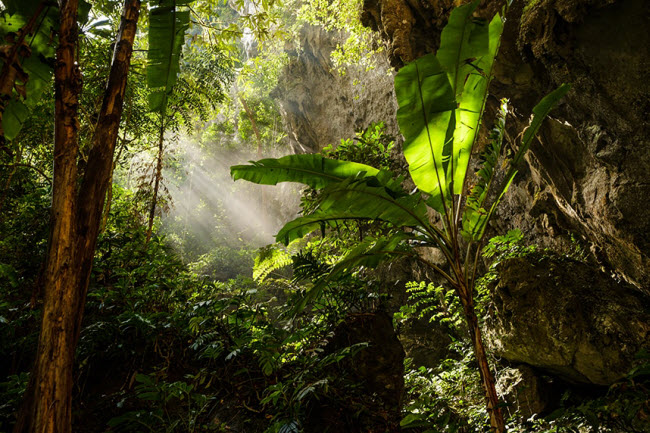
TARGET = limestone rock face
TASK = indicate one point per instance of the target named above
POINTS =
(319, 106)
(564, 318)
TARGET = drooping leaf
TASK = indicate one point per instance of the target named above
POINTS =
(167, 27)
(425, 117)
(358, 199)
(369, 253)
(302, 226)
(311, 169)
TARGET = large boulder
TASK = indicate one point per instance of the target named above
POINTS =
(561, 316)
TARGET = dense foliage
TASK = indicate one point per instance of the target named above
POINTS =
(195, 321)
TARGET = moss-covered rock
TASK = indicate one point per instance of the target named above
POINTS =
(562, 317)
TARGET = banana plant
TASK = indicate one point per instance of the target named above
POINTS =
(441, 102)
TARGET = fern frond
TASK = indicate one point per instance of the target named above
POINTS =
(270, 259)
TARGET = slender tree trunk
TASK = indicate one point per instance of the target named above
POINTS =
(109, 192)
(157, 179)
(74, 223)
(487, 378)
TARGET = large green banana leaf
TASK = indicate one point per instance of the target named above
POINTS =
(425, 117)
(311, 169)
(441, 99)
(167, 27)
(355, 199)
(474, 77)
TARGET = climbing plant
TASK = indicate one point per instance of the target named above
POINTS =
(441, 101)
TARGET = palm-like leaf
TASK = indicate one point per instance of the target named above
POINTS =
(358, 199)
(167, 27)
(310, 169)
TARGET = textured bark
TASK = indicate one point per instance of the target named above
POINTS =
(75, 222)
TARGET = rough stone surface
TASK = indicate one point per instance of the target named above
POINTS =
(564, 318)
(319, 106)
(524, 391)
(381, 364)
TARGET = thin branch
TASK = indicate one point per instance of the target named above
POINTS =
(36, 169)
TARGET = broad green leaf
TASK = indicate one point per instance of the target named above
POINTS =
(357, 200)
(463, 39)
(367, 198)
(311, 169)
(425, 117)
(167, 27)
(471, 102)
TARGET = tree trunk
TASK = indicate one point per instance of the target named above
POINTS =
(157, 179)
(487, 378)
(74, 223)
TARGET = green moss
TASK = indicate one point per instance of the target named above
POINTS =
(529, 6)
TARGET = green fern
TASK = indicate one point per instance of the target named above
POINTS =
(270, 259)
